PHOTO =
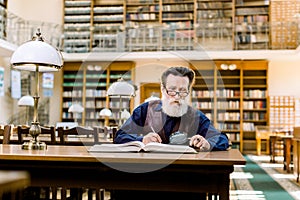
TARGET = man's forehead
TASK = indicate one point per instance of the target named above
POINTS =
(177, 80)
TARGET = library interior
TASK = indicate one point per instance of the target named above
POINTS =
(72, 72)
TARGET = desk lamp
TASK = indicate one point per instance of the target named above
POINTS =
(121, 89)
(75, 109)
(38, 56)
(106, 113)
(26, 101)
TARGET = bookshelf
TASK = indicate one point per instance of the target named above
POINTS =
(214, 24)
(77, 15)
(87, 83)
(177, 24)
(235, 99)
(155, 25)
(251, 24)
(107, 25)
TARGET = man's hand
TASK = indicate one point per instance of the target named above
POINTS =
(151, 137)
(197, 141)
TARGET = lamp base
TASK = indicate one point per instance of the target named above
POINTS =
(34, 145)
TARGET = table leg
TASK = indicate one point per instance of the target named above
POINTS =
(258, 146)
(287, 154)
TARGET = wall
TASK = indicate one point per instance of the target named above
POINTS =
(38, 10)
(42, 11)
(6, 102)
(284, 78)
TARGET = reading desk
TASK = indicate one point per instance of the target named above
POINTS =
(74, 166)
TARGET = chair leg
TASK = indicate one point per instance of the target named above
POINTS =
(90, 194)
(63, 193)
(54, 193)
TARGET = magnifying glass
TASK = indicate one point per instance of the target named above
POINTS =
(178, 137)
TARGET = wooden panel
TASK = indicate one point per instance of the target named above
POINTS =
(149, 89)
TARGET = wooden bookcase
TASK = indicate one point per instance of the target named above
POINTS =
(107, 22)
(214, 24)
(235, 100)
(87, 83)
(251, 24)
(77, 26)
(155, 25)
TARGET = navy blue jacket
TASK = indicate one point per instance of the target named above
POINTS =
(135, 128)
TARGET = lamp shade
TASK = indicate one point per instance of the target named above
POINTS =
(121, 88)
(75, 108)
(26, 101)
(37, 52)
(125, 114)
(105, 112)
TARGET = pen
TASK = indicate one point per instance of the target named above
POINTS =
(152, 129)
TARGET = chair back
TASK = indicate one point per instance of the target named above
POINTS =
(50, 131)
(5, 133)
(81, 136)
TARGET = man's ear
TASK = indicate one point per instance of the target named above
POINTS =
(161, 87)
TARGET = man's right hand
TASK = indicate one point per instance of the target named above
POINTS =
(151, 137)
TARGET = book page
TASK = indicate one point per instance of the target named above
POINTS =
(168, 148)
(133, 146)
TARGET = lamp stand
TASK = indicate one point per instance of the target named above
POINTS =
(35, 129)
(120, 111)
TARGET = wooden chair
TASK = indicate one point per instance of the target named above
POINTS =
(5, 133)
(50, 131)
(82, 136)
(101, 132)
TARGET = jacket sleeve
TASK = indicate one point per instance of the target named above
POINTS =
(133, 128)
(218, 141)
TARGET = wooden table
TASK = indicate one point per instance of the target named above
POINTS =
(74, 166)
(12, 181)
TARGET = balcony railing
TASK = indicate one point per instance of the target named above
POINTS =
(155, 38)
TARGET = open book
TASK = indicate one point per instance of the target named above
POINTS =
(137, 146)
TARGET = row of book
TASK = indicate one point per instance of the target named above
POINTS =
(95, 93)
(95, 104)
(214, 5)
(228, 126)
(67, 104)
(229, 116)
(228, 105)
(72, 93)
(179, 7)
(254, 116)
(251, 19)
(213, 14)
(254, 104)
(67, 115)
(141, 9)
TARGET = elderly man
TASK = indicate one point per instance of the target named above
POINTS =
(157, 121)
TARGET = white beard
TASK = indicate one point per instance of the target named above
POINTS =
(174, 108)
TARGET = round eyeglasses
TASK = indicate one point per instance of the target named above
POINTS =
(173, 93)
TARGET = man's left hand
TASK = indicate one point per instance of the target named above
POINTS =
(197, 141)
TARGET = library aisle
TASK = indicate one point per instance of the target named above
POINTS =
(263, 180)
